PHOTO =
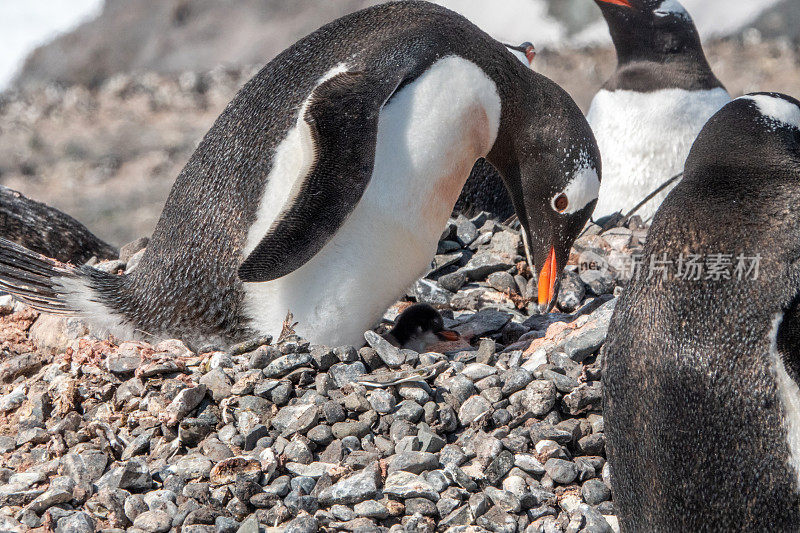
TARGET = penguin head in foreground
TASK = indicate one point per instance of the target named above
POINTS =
(740, 190)
(419, 326)
(551, 167)
(756, 135)
(650, 29)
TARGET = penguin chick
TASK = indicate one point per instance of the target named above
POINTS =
(419, 327)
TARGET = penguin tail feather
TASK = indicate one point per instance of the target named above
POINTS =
(35, 279)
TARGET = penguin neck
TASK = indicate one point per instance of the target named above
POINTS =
(660, 60)
(630, 53)
(651, 71)
(533, 109)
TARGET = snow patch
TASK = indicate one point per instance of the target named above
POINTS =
(26, 24)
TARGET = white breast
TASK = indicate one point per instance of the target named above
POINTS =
(429, 136)
(644, 139)
(789, 395)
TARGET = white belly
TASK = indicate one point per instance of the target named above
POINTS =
(789, 395)
(644, 140)
(429, 136)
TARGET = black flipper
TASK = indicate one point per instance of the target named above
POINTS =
(343, 117)
(788, 339)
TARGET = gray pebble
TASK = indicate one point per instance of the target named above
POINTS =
(561, 471)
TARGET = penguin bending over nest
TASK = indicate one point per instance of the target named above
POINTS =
(649, 113)
(323, 187)
(701, 366)
(484, 189)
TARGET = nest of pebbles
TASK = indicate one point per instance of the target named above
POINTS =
(501, 431)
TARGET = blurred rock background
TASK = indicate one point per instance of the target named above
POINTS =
(99, 121)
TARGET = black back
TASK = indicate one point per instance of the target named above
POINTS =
(694, 424)
(48, 231)
(656, 49)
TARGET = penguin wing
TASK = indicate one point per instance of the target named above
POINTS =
(342, 115)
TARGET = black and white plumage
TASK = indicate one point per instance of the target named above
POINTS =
(323, 187)
(484, 189)
(649, 113)
(701, 398)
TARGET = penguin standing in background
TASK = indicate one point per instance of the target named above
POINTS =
(647, 116)
(701, 365)
(323, 187)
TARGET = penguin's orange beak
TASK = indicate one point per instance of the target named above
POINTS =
(623, 3)
(547, 280)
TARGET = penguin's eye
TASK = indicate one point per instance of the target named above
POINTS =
(561, 203)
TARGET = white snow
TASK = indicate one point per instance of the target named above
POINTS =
(713, 18)
(25, 24)
(721, 17)
(527, 20)
(512, 21)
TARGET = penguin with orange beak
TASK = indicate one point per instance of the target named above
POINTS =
(648, 114)
(322, 189)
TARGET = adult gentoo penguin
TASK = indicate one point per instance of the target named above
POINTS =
(323, 187)
(701, 369)
(649, 113)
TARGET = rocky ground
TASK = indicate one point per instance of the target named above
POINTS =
(108, 156)
(501, 431)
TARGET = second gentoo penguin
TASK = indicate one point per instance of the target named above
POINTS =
(323, 187)
(702, 360)
(649, 113)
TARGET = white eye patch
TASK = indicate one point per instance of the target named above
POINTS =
(581, 190)
(776, 109)
(672, 7)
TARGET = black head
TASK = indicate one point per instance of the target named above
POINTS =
(759, 132)
(550, 163)
(741, 188)
(651, 30)
(418, 320)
